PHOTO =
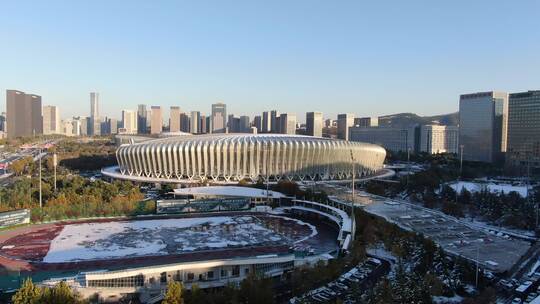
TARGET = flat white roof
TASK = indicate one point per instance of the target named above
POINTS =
(228, 191)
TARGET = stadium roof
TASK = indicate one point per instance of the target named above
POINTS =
(231, 191)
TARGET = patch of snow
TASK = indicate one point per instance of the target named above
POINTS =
(491, 187)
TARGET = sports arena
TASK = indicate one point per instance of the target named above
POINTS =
(219, 236)
(229, 158)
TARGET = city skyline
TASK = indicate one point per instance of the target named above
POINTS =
(370, 59)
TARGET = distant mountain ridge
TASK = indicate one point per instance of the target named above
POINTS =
(410, 119)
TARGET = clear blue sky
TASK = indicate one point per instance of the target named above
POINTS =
(364, 57)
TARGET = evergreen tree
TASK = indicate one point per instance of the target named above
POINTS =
(27, 294)
(174, 293)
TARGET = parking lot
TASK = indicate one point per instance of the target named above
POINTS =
(361, 277)
(497, 252)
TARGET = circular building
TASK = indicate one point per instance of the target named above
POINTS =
(233, 157)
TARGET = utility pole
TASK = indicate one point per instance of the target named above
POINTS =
(266, 171)
(352, 193)
(408, 164)
(477, 266)
(461, 160)
(40, 194)
(55, 162)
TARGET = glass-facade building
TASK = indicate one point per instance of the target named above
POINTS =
(483, 124)
(524, 130)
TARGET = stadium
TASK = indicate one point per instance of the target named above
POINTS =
(216, 237)
(229, 158)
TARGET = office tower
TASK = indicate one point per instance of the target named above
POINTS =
(328, 123)
(203, 128)
(395, 139)
(195, 122)
(314, 123)
(524, 131)
(266, 123)
(142, 117)
(185, 124)
(435, 139)
(23, 114)
(112, 125)
(219, 117)
(174, 120)
(344, 122)
(365, 122)
(288, 123)
(233, 124)
(257, 123)
(94, 104)
(156, 120)
(67, 127)
(483, 124)
(51, 120)
(129, 122)
(245, 126)
(94, 128)
(3, 122)
(83, 125)
(274, 122)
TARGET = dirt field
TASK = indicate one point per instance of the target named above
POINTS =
(24, 248)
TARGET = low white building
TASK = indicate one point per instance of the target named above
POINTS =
(435, 139)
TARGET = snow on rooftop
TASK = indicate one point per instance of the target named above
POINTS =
(491, 187)
(228, 191)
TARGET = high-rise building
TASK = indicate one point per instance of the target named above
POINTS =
(233, 124)
(95, 120)
(365, 122)
(208, 127)
(202, 125)
(156, 120)
(274, 122)
(142, 117)
(129, 122)
(83, 125)
(94, 104)
(51, 120)
(395, 139)
(67, 127)
(288, 123)
(524, 131)
(112, 124)
(435, 139)
(344, 122)
(219, 117)
(23, 114)
(257, 123)
(174, 119)
(3, 122)
(266, 123)
(195, 122)
(483, 124)
(185, 123)
(314, 123)
(245, 126)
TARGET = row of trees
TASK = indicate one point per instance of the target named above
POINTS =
(29, 293)
(75, 196)
(253, 289)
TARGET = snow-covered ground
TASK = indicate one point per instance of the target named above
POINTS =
(119, 239)
(491, 187)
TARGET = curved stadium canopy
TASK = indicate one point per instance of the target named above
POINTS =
(233, 157)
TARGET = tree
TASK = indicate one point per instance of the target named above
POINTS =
(174, 293)
(27, 294)
(60, 293)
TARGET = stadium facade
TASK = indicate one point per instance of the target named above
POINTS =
(233, 157)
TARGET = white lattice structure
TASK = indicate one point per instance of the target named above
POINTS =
(230, 157)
